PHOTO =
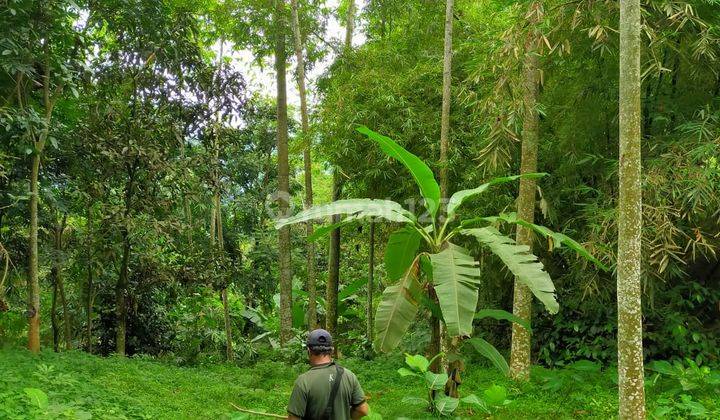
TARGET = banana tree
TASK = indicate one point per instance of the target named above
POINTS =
(421, 256)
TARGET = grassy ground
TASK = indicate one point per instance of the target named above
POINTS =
(79, 385)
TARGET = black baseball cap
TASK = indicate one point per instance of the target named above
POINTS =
(319, 337)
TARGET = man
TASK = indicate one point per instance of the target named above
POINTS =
(310, 398)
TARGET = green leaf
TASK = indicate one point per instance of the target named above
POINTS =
(400, 252)
(474, 400)
(351, 288)
(445, 405)
(491, 353)
(397, 310)
(406, 372)
(37, 397)
(417, 362)
(556, 239)
(435, 381)
(324, 230)
(521, 262)
(424, 177)
(456, 277)
(356, 208)
(495, 395)
(414, 401)
(499, 314)
(585, 366)
(459, 197)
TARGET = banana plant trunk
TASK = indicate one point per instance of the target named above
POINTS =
(522, 299)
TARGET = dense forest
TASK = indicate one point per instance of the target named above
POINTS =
(498, 209)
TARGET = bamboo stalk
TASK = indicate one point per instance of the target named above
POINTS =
(259, 413)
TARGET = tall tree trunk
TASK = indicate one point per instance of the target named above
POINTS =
(216, 221)
(450, 344)
(89, 310)
(349, 25)
(629, 262)
(122, 283)
(446, 99)
(333, 283)
(33, 281)
(371, 284)
(120, 294)
(307, 163)
(522, 299)
(59, 230)
(53, 311)
(283, 174)
(89, 287)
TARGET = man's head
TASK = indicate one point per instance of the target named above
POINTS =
(319, 343)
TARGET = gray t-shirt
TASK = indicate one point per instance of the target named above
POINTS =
(310, 394)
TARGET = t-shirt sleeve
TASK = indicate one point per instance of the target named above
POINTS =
(358, 395)
(298, 400)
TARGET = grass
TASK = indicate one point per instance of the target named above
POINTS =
(79, 385)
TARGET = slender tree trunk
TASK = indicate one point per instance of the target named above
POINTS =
(307, 162)
(33, 281)
(120, 295)
(446, 99)
(371, 284)
(450, 344)
(90, 292)
(333, 283)
(229, 353)
(89, 310)
(59, 230)
(629, 262)
(349, 25)
(522, 299)
(53, 311)
(283, 174)
(122, 283)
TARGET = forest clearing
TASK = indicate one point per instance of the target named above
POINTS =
(344, 209)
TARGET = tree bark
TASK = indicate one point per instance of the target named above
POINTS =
(446, 99)
(120, 292)
(522, 299)
(33, 281)
(333, 283)
(371, 284)
(307, 162)
(283, 174)
(59, 230)
(90, 292)
(53, 312)
(629, 262)
(122, 283)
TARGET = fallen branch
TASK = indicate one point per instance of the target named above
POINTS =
(259, 413)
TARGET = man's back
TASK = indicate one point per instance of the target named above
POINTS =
(312, 389)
